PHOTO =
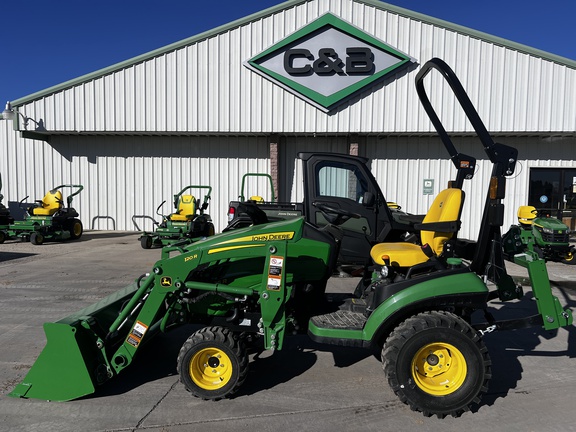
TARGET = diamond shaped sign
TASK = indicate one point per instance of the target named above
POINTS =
(327, 61)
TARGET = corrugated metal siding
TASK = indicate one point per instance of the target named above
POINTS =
(126, 176)
(400, 164)
(205, 88)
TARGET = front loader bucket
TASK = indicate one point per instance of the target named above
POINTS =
(73, 362)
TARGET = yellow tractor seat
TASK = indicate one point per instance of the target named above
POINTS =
(50, 204)
(186, 209)
(438, 226)
(526, 215)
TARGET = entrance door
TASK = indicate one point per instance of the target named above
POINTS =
(554, 190)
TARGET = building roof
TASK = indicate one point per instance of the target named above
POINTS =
(285, 5)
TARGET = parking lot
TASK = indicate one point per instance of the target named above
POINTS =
(306, 386)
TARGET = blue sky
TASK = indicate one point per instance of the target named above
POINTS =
(47, 43)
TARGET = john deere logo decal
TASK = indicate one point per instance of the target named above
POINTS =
(327, 61)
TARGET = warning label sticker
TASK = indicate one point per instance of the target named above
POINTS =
(275, 273)
(137, 333)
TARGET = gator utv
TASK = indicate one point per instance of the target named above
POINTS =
(48, 219)
(5, 218)
(188, 221)
(259, 284)
(545, 235)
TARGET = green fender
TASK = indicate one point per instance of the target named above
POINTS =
(461, 285)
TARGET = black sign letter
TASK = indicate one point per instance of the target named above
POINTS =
(289, 61)
(359, 61)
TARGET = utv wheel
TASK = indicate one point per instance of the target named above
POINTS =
(76, 229)
(146, 242)
(36, 238)
(436, 363)
(213, 363)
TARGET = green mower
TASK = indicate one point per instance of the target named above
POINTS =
(253, 287)
(48, 219)
(5, 218)
(540, 233)
(188, 222)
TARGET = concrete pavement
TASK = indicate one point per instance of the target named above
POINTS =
(306, 386)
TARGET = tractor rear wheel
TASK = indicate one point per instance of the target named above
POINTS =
(75, 228)
(213, 363)
(436, 363)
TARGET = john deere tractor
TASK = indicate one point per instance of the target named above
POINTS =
(257, 285)
(189, 220)
(49, 219)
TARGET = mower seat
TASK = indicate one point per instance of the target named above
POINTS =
(438, 226)
(50, 204)
(526, 215)
(186, 209)
(257, 199)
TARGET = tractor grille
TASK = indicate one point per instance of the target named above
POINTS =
(561, 237)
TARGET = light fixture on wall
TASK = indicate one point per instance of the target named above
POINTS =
(9, 113)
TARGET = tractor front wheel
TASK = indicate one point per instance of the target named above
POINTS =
(436, 363)
(570, 258)
(213, 363)
(2, 237)
(36, 238)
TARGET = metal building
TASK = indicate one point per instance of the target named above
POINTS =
(313, 75)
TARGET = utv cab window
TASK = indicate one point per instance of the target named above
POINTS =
(341, 181)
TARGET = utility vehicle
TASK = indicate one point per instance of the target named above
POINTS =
(257, 285)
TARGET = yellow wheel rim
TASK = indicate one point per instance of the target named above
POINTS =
(439, 369)
(77, 229)
(211, 369)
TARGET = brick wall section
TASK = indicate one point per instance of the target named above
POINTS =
(274, 162)
(354, 145)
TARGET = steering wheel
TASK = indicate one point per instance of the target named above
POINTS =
(335, 216)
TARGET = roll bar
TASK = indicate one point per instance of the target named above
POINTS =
(488, 259)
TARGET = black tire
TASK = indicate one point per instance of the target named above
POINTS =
(75, 228)
(213, 363)
(146, 242)
(2, 237)
(36, 238)
(570, 258)
(455, 360)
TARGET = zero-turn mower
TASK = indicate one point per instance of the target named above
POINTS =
(188, 221)
(255, 286)
(48, 219)
(5, 218)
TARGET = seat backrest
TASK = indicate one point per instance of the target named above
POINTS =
(447, 207)
(526, 215)
(51, 203)
(257, 199)
(186, 206)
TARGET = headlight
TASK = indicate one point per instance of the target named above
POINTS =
(384, 271)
